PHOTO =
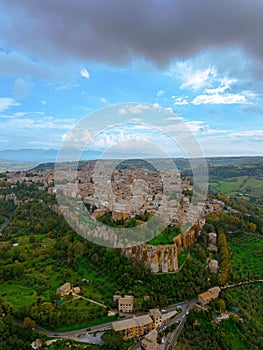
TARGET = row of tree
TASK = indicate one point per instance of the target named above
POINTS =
(225, 261)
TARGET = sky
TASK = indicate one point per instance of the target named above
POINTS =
(63, 60)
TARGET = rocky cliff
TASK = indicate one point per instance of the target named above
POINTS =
(161, 258)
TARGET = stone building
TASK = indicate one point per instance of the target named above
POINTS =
(65, 289)
(150, 341)
(212, 239)
(213, 266)
(133, 327)
(125, 304)
(120, 211)
(206, 297)
(156, 316)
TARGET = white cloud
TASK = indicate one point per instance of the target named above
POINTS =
(136, 120)
(174, 118)
(103, 100)
(46, 122)
(191, 77)
(179, 101)
(122, 138)
(122, 111)
(20, 114)
(252, 134)
(6, 103)
(63, 87)
(222, 94)
(224, 85)
(84, 73)
(139, 108)
(219, 99)
(160, 93)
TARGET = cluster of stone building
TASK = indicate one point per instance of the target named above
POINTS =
(44, 178)
(129, 191)
(212, 247)
(138, 325)
(125, 193)
(150, 323)
(141, 325)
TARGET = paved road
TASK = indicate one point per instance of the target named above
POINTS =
(180, 318)
(69, 334)
(4, 225)
(171, 340)
(99, 327)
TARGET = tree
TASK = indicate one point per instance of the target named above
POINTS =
(221, 305)
(29, 324)
(113, 340)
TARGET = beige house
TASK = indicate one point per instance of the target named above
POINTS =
(206, 297)
(213, 266)
(156, 315)
(65, 289)
(116, 297)
(76, 290)
(36, 344)
(125, 304)
(212, 247)
(133, 327)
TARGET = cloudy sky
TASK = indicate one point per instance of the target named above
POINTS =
(61, 60)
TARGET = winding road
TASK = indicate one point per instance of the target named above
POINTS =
(169, 341)
(4, 225)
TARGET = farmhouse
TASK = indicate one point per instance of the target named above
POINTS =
(65, 289)
(125, 304)
(206, 297)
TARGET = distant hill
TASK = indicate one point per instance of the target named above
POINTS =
(41, 155)
(29, 155)
(221, 164)
(11, 165)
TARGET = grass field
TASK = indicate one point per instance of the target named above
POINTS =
(17, 295)
(43, 275)
(249, 186)
(248, 298)
(247, 260)
(166, 237)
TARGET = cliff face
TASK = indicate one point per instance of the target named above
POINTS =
(187, 239)
(157, 258)
(163, 258)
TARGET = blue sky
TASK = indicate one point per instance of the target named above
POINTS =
(63, 60)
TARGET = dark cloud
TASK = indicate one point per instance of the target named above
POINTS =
(115, 31)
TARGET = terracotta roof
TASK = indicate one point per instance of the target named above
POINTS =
(205, 295)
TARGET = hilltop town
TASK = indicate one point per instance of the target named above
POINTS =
(152, 286)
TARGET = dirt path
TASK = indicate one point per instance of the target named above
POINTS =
(241, 284)
(92, 301)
